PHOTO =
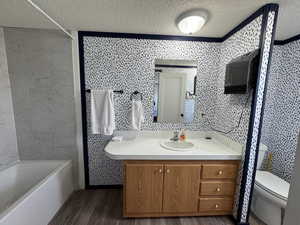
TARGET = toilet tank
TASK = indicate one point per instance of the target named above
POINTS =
(261, 155)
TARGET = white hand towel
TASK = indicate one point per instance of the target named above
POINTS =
(137, 115)
(102, 112)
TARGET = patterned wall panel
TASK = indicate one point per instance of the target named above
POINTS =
(229, 107)
(281, 120)
(128, 64)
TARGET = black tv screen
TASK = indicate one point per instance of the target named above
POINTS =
(241, 73)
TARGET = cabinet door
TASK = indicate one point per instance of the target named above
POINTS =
(181, 188)
(144, 188)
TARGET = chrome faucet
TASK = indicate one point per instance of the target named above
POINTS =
(175, 136)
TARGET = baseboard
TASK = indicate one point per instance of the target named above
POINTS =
(115, 186)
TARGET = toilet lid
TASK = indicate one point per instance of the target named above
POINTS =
(272, 184)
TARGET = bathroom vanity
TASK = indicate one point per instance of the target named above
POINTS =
(179, 188)
(160, 182)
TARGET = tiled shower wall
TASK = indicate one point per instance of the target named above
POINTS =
(281, 121)
(41, 74)
(128, 64)
(8, 138)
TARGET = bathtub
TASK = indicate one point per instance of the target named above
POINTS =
(31, 192)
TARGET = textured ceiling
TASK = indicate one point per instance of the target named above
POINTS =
(144, 16)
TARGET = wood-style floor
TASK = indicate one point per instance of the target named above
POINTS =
(104, 207)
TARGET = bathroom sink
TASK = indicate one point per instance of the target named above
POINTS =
(177, 145)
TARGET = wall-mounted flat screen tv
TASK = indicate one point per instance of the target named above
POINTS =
(241, 73)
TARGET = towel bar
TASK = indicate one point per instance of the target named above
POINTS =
(117, 92)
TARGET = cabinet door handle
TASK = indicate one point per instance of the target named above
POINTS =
(217, 206)
(218, 189)
(160, 170)
(168, 171)
(220, 172)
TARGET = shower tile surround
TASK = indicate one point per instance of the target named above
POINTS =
(8, 138)
(128, 64)
(41, 75)
(283, 107)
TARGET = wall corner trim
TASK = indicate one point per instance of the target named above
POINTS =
(148, 36)
(253, 16)
(287, 41)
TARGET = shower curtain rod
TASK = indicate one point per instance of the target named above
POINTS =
(49, 18)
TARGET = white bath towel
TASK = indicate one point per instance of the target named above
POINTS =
(137, 114)
(102, 112)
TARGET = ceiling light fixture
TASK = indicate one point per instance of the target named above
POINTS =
(191, 21)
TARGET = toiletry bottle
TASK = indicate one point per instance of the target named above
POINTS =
(269, 162)
(182, 136)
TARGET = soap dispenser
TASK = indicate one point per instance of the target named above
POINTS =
(182, 136)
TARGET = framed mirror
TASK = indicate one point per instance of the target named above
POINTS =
(174, 91)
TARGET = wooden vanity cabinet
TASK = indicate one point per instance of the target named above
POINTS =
(181, 188)
(144, 188)
(178, 188)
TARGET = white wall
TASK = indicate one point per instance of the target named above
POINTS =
(292, 216)
(8, 139)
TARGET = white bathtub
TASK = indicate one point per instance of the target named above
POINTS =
(31, 192)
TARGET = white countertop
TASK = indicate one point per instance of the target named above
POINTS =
(146, 146)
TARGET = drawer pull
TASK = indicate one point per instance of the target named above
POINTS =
(218, 189)
(220, 172)
(160, 170)
(217, 206)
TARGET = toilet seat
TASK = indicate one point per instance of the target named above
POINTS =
(272, 184)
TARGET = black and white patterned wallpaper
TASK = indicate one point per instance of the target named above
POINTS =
(229, 107)
(281, 122)
(128, 64)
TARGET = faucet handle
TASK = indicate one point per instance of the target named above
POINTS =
(175, 136)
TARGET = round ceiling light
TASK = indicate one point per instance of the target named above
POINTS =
(191, 21)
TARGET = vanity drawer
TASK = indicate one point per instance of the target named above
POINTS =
(217, 188)
(219, 171)
(215, 204)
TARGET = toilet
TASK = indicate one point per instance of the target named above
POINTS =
(270, 194)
